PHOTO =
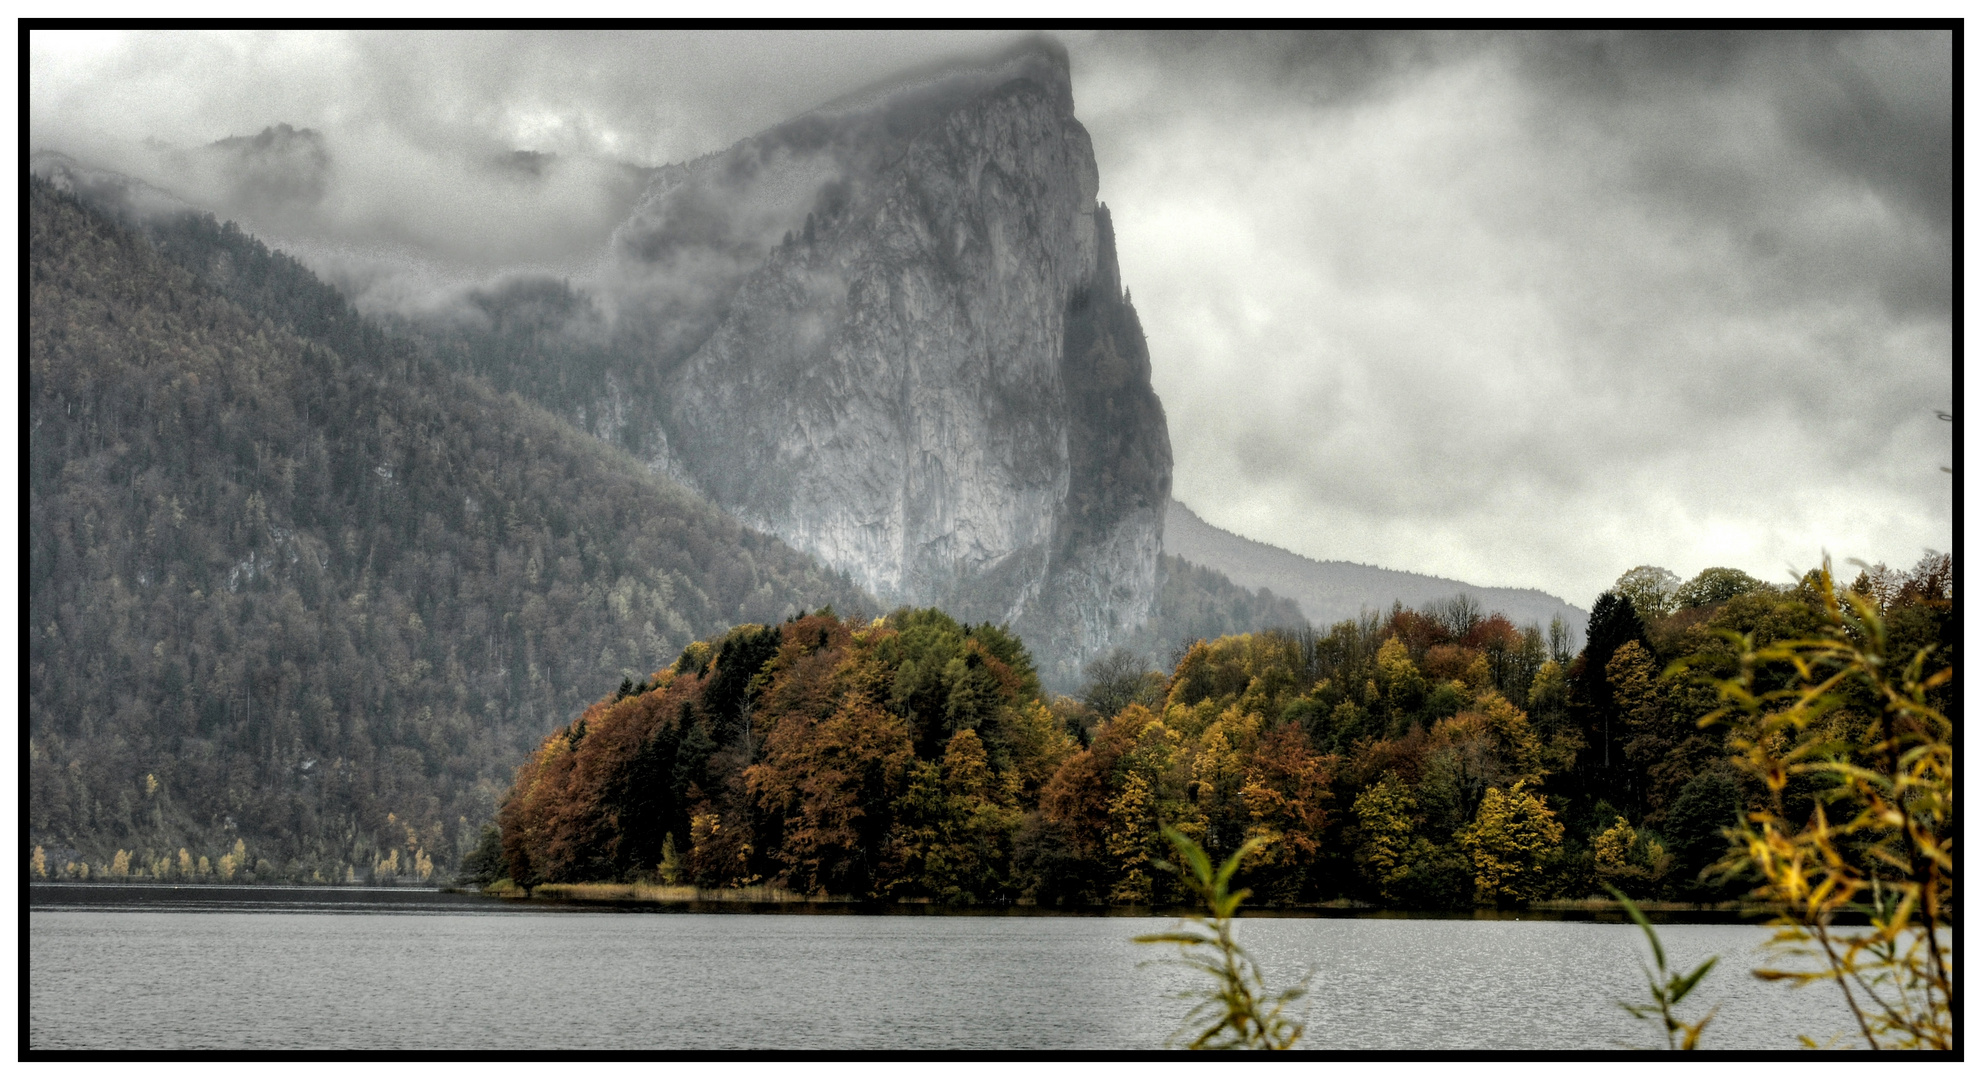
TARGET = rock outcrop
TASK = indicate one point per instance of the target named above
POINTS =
(893, 333)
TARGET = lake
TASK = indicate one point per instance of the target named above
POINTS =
(122, 968)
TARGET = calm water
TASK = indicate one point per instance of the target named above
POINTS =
(303, 969)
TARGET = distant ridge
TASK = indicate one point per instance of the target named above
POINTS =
(1329, 592)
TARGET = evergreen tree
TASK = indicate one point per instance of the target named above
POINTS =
(1613, 623)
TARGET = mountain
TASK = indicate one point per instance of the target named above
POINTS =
(279, 170)
(891, 332)
(1195, 603)
(292, 586)
(1329, 592)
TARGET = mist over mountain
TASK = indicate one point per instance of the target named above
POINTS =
(892, 332)
(1360, 226)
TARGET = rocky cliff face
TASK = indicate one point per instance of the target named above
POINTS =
(893, 333)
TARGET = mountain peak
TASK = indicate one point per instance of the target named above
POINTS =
(893, 333)
(1038, 58)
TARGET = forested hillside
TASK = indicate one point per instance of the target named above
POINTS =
(298, 600)
(1431, 759)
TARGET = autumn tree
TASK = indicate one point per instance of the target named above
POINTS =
(1613, 622)
(1695, 828)
(1650, 589)
(1399, 683)
(1714, 585)
(1146, 794)
(1512, 841)
(953, 828)
(1287, 795)
(1384, 810)
(1639, 707)
(834, 781)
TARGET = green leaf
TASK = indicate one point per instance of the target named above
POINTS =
(1685, 986)
(1631, 909)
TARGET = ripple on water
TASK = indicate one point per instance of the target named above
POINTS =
(490, 977)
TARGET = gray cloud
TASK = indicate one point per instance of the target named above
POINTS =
(1520, 308)
(1535, 308)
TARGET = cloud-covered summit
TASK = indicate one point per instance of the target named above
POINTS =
(1515, 307)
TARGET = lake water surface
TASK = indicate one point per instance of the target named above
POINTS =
(271, 969)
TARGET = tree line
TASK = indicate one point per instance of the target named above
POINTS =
(1427, 759)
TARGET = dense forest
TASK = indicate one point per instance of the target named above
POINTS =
(549, 344)
(1427, 759)
(301, 594)
(298, 600)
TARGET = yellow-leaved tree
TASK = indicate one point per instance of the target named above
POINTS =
(1613, 847)
(1512, 839)
(1131, 818)
(1384, 811)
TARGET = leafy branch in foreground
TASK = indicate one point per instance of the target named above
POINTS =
(1859, 754)
(1668, 988)
(1237, 1011)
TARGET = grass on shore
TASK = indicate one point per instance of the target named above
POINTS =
(654, 893)
(1595, 903)
(645, 892)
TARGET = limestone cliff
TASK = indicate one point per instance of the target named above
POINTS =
(893, 333)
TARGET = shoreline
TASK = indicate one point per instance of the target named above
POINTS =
(688, 899)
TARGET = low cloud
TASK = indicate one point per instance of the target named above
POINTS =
(1518, 308)
(475, 152)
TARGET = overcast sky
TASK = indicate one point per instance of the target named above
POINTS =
(1519, 309)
